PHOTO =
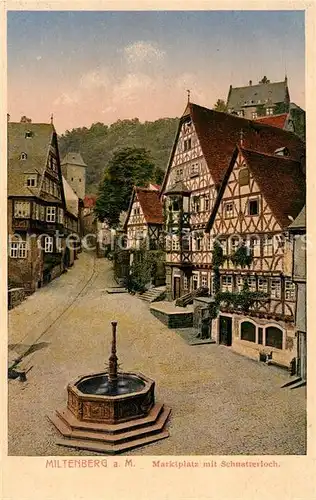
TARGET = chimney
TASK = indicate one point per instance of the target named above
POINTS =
(8, 117)
(250, 83)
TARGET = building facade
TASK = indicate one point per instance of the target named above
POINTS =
(39, 220)
(259, 197)
(144, 219)
(202, 152)
(267, 103)
(298, 234)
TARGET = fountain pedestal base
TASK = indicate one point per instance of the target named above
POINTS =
(111, 423)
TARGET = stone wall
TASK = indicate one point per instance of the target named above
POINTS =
(15, 297)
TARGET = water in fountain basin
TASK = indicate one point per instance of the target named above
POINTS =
(101, 386)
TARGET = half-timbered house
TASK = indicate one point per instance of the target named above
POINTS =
(202, 151)
(39, 219)
(144, 219)
(259, 197)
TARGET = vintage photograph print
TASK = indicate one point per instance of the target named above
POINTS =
(156, 235)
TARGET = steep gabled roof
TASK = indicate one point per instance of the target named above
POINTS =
(73, 159)
(72, 200)
(36, 148)
(280, 180)
(299, 222)
(278, 121)
(150, 204)
(252, 95)
(218, 134)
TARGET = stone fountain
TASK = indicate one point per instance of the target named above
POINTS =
(111, 412)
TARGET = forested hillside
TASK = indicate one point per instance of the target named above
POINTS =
(98, 143)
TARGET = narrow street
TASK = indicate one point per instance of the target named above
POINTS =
(221, 403)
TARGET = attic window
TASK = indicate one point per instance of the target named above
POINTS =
(28, 134)
(31, 180)
(23, 156)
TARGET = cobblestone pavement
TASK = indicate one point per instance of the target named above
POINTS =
(222, 403)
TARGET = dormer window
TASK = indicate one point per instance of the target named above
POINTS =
(29, 134)
(23, 156)
(31, 181)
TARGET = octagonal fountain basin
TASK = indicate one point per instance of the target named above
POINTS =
(101, 385)
(111, 412)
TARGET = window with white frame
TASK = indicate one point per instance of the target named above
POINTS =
(31, 180)
(227, 283)
(18, 250)
(239, 283)
(262, 285)
(175, 243)
(185, 283)
(275, 288)
(290, 290)
(179, 173)
(229, 210)
(195, 281)
(240, 112)
(51, 214)
(254, 115)
(252, 283)
(196, 204)
(48, 244)
(204, 280)
(268, 246)
(234, 244)
(255, 246)
(194, 169)
(269, 111)
(22, 209)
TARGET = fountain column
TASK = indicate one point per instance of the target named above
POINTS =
(113, 357)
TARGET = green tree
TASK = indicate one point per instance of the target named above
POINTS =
(220, 105)
(126, 168)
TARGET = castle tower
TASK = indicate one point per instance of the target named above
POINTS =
(74, 170)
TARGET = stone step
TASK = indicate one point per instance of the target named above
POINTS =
(70, 420)
(112, 448)
(111, 438)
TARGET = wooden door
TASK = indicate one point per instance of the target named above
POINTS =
(176, 287)
(225, 330)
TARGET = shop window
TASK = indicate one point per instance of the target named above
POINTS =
(248, 331)
(274, 337)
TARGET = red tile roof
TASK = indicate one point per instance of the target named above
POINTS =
(281, 182)
(150, 204)
(278, 121)
(218, 134)
(89, 200)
